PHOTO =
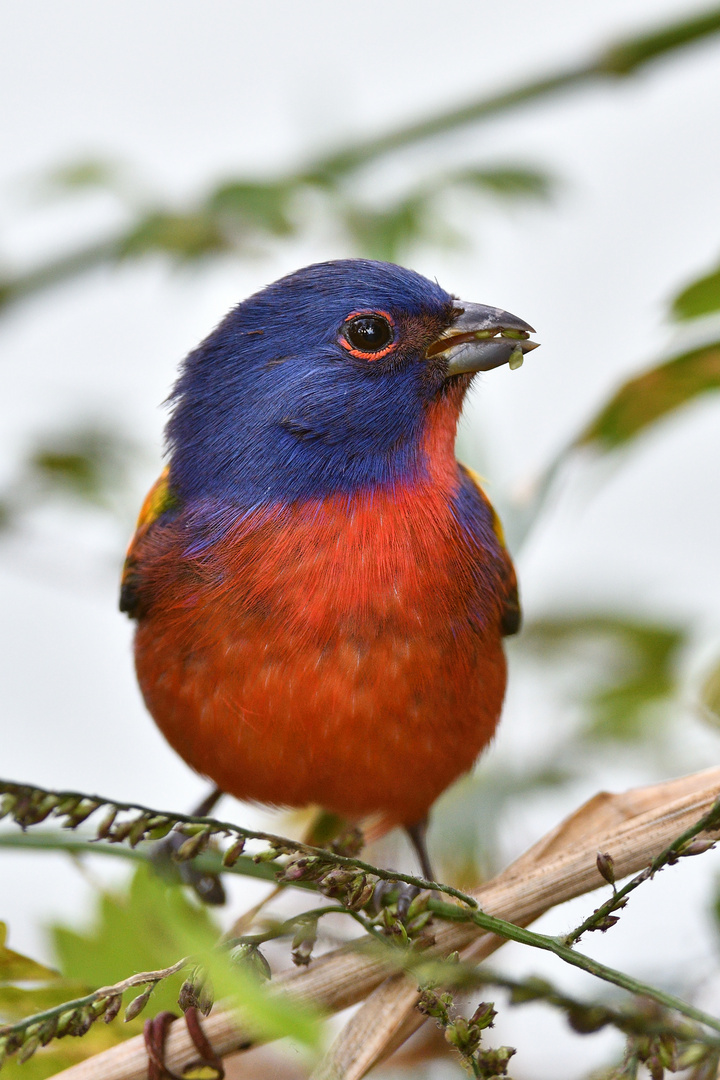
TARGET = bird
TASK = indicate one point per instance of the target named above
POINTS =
(320, 589)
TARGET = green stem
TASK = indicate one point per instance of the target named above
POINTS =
(143, 978)
(619, 60)
(709, 822)
(12, 788)
(524, 991)
(284, 929)
(209, 862)
(570, 956)
(363, 153)
(470, 913)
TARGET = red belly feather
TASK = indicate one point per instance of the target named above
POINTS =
(342, 652)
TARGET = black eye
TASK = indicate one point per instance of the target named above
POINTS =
(368, 333)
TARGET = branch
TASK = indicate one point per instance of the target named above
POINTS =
(77, 1016)
(29, 805)
(618, 60)
(208, 862)
(206, 235)
(680, 848)
(636, 826)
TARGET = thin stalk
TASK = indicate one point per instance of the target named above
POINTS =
(619, 60)
(209, 862)
(142, 978)
(10, 787)
(671, 853)
(575, 959)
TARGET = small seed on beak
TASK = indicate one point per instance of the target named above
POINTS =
(516, 358)
(515, 335)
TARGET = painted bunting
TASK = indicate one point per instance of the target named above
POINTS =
(320, 589)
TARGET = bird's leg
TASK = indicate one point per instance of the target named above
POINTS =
(207, 886)
(403, 894)
(418, 838)
(207, 804)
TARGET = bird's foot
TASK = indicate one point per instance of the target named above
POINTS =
(208, 887)
(403, 907)
(402, 913)
(394, 894)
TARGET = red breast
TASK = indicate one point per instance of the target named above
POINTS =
(344, 652)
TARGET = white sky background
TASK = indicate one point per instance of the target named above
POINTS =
(188, 92)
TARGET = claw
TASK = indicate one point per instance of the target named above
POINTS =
(208, 887)
(394, 892)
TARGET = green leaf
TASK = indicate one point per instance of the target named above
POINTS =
(88, 173)
(17, 1002)
(388, 234)
(267, 1015)
(628, 55)
(185, 237)
(702, 297)
(509, 182)
(14, 967)
(656, 393)
(636, 669)
(88, 463)
(263, 206)
(131, 933)
(710, 696)
(152, 926)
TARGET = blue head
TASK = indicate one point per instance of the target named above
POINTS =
(319, 383)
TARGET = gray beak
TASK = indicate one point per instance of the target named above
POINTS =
(482, 338)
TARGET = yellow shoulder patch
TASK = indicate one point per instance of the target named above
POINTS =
(158, 499)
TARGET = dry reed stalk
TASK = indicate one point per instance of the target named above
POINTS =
(634, 827)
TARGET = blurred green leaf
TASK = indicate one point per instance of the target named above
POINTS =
(14, 967)
(200, 233)
(267, 1015)
(263, 206)
(17, 1002)
(183, 236)
(152, 926)
(387, 234)
(635, 671)
(133, 932)
(508, 182)
(643, 400)
(710, 695)
(88, 173)
(90, 463)
(628, 55)
(702, 297)
(27, 987)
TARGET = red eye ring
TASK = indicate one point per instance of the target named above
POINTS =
(362, 354)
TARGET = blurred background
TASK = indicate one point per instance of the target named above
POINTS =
(160, 162)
